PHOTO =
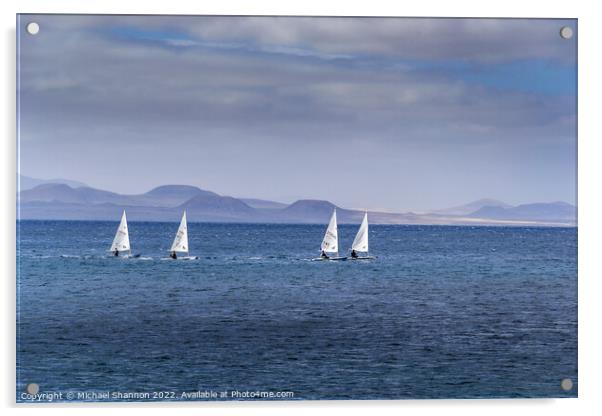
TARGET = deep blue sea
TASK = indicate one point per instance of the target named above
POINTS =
(443, 312)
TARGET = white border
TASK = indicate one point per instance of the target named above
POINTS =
(590, 209)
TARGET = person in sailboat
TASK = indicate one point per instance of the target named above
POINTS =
(323, 255)
(173, 255)
(116, 253)
(354, 254)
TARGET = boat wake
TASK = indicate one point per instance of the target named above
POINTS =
(99, 257)
(181, 258)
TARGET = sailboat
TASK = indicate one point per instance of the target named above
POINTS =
(330, 242)
(180, 242)
(360, 243)
(121, 242)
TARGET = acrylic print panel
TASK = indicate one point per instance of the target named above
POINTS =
(295, 208)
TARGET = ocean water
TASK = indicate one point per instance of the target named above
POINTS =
(443, 312)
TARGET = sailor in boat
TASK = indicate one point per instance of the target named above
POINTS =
(173, 255)
(116, 253)
(354, 254)
(323, 255)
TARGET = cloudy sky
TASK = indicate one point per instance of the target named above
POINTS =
(380, 113)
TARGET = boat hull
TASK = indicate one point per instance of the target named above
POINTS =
(330, 259)
(125, 256)
(182, 258)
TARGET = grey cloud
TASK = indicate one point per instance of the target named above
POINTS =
(487, 40)
(86, 92)
(96, 79)
(409, 38)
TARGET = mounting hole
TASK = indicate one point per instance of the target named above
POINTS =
(566, 32)
(33, 28)
(32, 388)
(566, 384)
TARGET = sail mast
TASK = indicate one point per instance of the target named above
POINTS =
(360, 243)
(121, 242)
(330, 243)
(180, 242)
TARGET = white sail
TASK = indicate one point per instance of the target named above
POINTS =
(330, 243)
(361, 239)
(180, 243)
(121, 242)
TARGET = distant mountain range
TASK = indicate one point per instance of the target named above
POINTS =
(554, 211)
(71, 201)
(472, 207)
(27, 182)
